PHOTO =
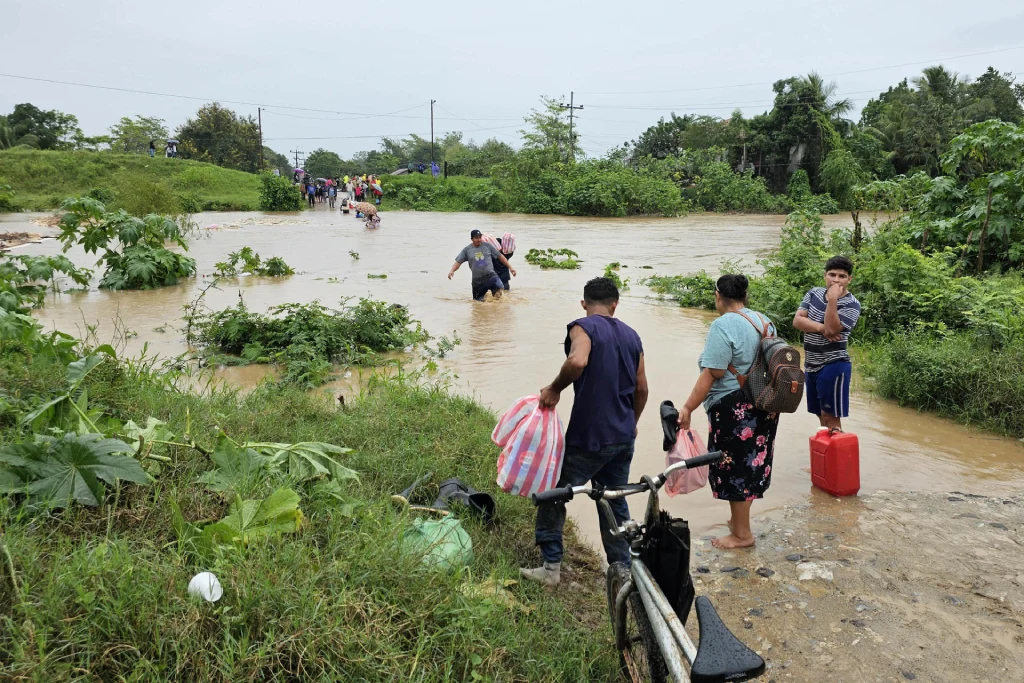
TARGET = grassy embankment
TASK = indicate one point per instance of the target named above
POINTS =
(41, 180)
(100, 593)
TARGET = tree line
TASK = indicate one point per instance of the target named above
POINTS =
(215, 134)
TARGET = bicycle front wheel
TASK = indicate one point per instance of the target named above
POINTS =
(639, 657)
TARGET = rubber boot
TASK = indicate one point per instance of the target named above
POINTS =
(548, 575)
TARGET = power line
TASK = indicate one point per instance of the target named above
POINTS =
(192, 97)
(838, 73)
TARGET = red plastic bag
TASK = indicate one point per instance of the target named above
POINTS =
(533, 445)
(688, 445)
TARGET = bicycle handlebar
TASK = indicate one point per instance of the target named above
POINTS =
(562, 495)
(566, 493)
(706, 459)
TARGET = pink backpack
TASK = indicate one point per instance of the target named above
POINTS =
(532, 445)
(688, 445)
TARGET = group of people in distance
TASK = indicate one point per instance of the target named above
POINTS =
(354, 189)
(605, 364)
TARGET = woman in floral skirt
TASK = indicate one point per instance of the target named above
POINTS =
(743, 433)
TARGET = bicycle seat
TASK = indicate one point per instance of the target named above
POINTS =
(720, 655)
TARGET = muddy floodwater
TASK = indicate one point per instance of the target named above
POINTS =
(513, 347)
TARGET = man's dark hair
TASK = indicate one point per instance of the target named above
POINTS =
(733, 287)
(839, 263)
(601, 290)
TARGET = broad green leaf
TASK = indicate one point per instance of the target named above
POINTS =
(347, 505)
(307, 459)
(238, 469)
(31, 417)
(154, 430)
(58, 471)
(80, 369)
(248, 520)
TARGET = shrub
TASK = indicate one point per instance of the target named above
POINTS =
(278, 194)
(307, 338)
(6, 198)
(957, 375)
(133, 248)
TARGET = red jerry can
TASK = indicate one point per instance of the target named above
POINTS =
(835, 462)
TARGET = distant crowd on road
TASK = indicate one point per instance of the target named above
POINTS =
(366, 188)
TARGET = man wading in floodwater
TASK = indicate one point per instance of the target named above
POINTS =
(479, 254)
(605, 364)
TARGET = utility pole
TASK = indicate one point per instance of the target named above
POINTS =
(296, 157)
(572, 111)
(432, 133)
(259, 117)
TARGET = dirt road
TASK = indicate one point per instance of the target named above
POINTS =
(884, 587)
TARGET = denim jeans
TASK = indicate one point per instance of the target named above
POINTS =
(608, 467)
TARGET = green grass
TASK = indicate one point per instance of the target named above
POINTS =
(41, 180)
(102, 592)
(958, 376)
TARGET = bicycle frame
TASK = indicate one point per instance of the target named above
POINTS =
(673, 640)
(729, 659)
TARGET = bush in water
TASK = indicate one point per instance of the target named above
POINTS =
(307, 338)
(277, 193)
(133, 248)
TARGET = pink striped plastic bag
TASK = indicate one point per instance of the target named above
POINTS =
(688, 445)
(533, 445)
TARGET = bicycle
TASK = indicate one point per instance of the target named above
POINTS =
(649, 634)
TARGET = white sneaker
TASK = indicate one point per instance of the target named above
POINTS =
(548, 575)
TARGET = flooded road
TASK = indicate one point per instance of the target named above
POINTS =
(513, 347)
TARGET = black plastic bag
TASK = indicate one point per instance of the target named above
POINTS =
(666, 553)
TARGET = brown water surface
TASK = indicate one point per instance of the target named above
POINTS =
(513, 347)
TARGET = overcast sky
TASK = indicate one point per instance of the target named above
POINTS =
(486, 62)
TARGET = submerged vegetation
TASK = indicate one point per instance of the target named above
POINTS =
(133, 248)
(563, 259)
(247, 261)
(306, 340)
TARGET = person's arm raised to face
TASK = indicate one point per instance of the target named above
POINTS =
(833, 325)
(574, 365)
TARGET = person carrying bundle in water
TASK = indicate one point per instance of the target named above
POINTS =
(480, 254)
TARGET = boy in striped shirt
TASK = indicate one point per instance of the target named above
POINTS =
(826, 316)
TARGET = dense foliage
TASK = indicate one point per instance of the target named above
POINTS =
(220, 136)
(133, 248)
(315, 581)
(306, 339)
(30, 126)
(918, 310)
(277, 193)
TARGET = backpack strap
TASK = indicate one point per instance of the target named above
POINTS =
(742, 379)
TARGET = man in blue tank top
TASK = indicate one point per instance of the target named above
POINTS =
(605, 364)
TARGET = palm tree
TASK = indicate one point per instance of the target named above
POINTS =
(949, 87)
(823, 95)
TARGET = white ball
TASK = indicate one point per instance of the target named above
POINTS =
(206, 586)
